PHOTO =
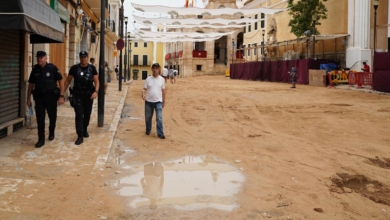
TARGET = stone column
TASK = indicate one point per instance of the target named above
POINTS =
(154, 51)
(359, 31)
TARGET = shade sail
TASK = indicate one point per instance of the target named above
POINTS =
(33, 16)
(202, 11)
(181, 34)
(170, 21)
(169, 40)
(192, 26)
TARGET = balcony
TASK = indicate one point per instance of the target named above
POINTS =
(180, 54)
(110, 26)
(199, 54)
(168, 56)
(140, 62)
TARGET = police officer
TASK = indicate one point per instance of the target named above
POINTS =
(84, 91)
(43, 85)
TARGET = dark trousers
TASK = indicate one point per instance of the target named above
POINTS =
(48, 103)
(83, 110)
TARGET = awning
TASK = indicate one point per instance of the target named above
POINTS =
(33, 16)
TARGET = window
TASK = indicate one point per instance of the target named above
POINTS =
(145, 60)
(262, 20)
(198, 67)
(245, 29)
(135, 44)
(135, 60)
(145, 44)
(249, 26)
(256, 17)
(249, 50)
(255, 50)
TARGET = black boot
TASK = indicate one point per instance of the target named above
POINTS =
(51, 136)
(40, 143)
(79, 140)
(85, 134)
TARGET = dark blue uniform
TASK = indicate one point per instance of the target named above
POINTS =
(46, 94)
(82, 90)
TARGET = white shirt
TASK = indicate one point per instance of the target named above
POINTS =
(154, 87)
(165, 72)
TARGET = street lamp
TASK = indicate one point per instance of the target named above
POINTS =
(121, 11)
(125, 74)
(314, 18)
(262, 43)
(129, 57)
(376, 4)
(100, 118)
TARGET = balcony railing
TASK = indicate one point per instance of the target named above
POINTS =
(199, 53)
(141, 62)
(110, 24)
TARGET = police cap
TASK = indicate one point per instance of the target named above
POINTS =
(83, 53)
(41, 54)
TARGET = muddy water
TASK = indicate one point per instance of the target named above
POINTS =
(188, 183)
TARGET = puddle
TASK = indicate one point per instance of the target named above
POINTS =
(372, 189)
(383, 163)
(188, 183)
(120, 152)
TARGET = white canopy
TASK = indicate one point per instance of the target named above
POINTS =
(181, 34)
(202, 11)
(193, 26)
(170, 39)
(170, 21)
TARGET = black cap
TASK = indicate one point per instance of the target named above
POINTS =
(156, 65)
(41, 54)
(83, 53)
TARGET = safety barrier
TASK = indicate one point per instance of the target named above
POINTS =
(363, 78)
(338, 76)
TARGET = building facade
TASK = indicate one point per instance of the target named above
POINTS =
(347, 33)
(143, 55)
(201, 58)
(72, 26)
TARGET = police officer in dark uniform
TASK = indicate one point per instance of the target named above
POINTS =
(84, 91)
(43, 85)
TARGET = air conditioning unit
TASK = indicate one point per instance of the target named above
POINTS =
(200, 16)
(93, 39)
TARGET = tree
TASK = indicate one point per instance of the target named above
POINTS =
(302, 12)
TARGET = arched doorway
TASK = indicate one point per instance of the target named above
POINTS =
(220, 50)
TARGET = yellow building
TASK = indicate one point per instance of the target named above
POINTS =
(143, 55)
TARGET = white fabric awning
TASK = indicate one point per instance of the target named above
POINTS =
(181, 34)
(138, 24)
(170, 21)
(203, 11)
(169, 40)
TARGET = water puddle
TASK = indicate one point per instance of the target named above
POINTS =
(188, 183)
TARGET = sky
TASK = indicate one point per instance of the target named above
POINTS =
(129, 10)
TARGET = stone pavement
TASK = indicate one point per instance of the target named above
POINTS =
(22, 164)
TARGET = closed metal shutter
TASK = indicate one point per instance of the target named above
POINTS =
(9, 75)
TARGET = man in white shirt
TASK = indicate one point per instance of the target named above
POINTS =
(165, 73)
(154, 96)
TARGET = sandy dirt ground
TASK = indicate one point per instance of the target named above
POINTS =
(233, 150)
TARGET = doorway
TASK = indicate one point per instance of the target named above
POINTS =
(144, 75)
